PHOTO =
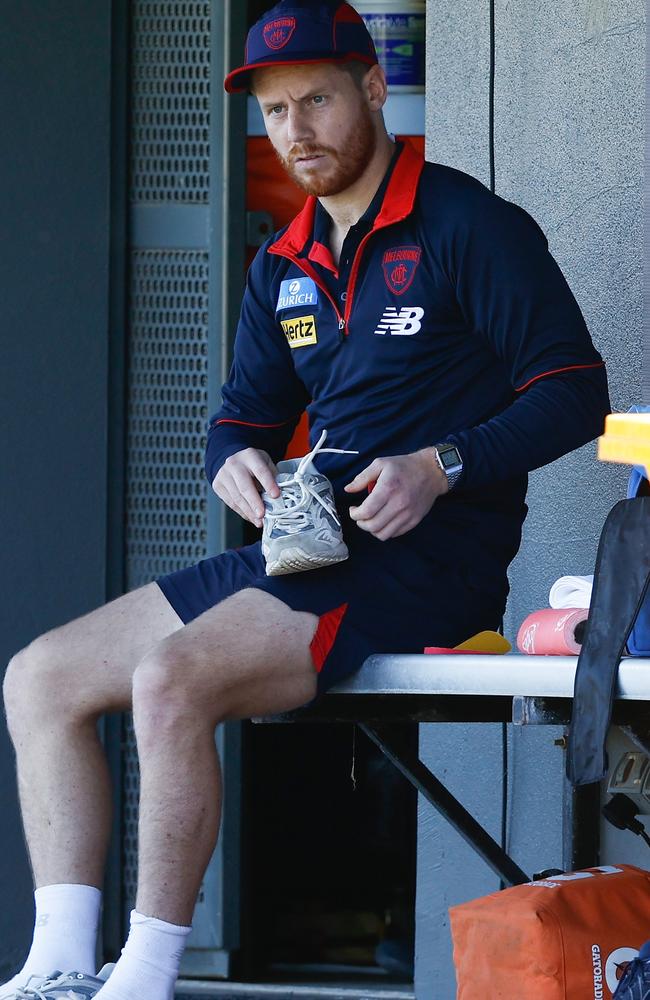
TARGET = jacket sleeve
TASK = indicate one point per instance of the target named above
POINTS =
(263, 399)
(552, 417)
(512, 292)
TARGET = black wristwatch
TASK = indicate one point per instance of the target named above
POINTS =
(450, 461)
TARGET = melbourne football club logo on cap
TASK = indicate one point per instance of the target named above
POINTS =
(278, 32)
(400, 265)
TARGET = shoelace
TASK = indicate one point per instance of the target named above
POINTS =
(300, 491)
(35, 992)
(29, 991)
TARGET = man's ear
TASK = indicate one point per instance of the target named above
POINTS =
(375, 87)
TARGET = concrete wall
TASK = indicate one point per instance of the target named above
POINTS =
(53, 378)
(569, 147)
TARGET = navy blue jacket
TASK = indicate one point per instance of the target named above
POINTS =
(457, 325)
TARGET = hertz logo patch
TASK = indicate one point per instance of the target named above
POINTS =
(300, 331)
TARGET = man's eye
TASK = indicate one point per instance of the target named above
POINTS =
(318, 99)
(276, 109)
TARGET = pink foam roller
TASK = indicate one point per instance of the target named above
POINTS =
(552, 632)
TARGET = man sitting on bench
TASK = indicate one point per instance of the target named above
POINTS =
(424, 325)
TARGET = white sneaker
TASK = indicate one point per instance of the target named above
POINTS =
(63, 985)
(301, 528)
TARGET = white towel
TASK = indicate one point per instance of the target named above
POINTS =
(571, 592)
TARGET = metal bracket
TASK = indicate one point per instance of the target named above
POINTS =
(393, 742)
(528, 711)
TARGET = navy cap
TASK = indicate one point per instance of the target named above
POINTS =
(304, 32)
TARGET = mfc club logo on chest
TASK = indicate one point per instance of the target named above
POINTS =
(399, 265)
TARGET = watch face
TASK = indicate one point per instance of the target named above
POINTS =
(449, 457)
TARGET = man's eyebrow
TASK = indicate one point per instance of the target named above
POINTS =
(314, 92)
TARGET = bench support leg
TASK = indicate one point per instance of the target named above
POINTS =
(391, 741)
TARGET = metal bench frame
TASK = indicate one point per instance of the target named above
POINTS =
(392, 695)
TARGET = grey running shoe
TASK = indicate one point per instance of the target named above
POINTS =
(301, 527)
(64, 985)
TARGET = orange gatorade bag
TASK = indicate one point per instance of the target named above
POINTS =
(566, 937)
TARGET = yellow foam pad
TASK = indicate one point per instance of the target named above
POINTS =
(486, 642)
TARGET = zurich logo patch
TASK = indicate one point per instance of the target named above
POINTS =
(297, 292)
(277, 33)
(400, 265)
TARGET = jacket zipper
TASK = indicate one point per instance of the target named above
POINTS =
(343, 320)
(356, 263)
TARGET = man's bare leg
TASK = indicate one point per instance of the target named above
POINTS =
(249, 655)
(54, 692)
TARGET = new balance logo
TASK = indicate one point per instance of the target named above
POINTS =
(400, 323)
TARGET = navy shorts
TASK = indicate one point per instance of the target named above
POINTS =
(387, 597)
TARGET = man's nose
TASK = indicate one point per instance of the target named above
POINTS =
(298, 127)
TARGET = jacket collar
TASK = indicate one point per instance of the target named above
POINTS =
(397, 204)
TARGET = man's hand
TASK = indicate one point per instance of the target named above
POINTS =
(405, 489)
(240, 480)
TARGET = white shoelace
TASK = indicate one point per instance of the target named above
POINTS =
(300, 492)
(35, 992)
(32, 991)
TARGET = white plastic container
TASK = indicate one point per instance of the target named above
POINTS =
(397, 29)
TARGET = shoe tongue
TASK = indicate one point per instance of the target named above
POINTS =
(284, 477)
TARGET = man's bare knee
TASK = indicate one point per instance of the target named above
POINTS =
(33, 683)
(167, 698)
(44, 680)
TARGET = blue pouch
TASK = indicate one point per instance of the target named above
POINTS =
(638, 643)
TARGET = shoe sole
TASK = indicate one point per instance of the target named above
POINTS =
(295, 560)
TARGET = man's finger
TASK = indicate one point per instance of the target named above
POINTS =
(232, 500)
(397, 526)
(222, 491)
(385, 516)
(265, 475)
(248, 496)
(384, 493)
(365, 477)
(370, 506)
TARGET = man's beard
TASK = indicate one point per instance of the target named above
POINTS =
(349, 162)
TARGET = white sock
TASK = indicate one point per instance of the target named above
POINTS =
(150, 961)
(65, 933)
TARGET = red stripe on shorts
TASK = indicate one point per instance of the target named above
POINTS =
(325, 635)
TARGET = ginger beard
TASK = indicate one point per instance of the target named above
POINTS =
(346, 164)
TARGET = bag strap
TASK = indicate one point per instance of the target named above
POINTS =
(621, 579)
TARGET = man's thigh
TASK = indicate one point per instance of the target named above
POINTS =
(383, 599)
(248, 655)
